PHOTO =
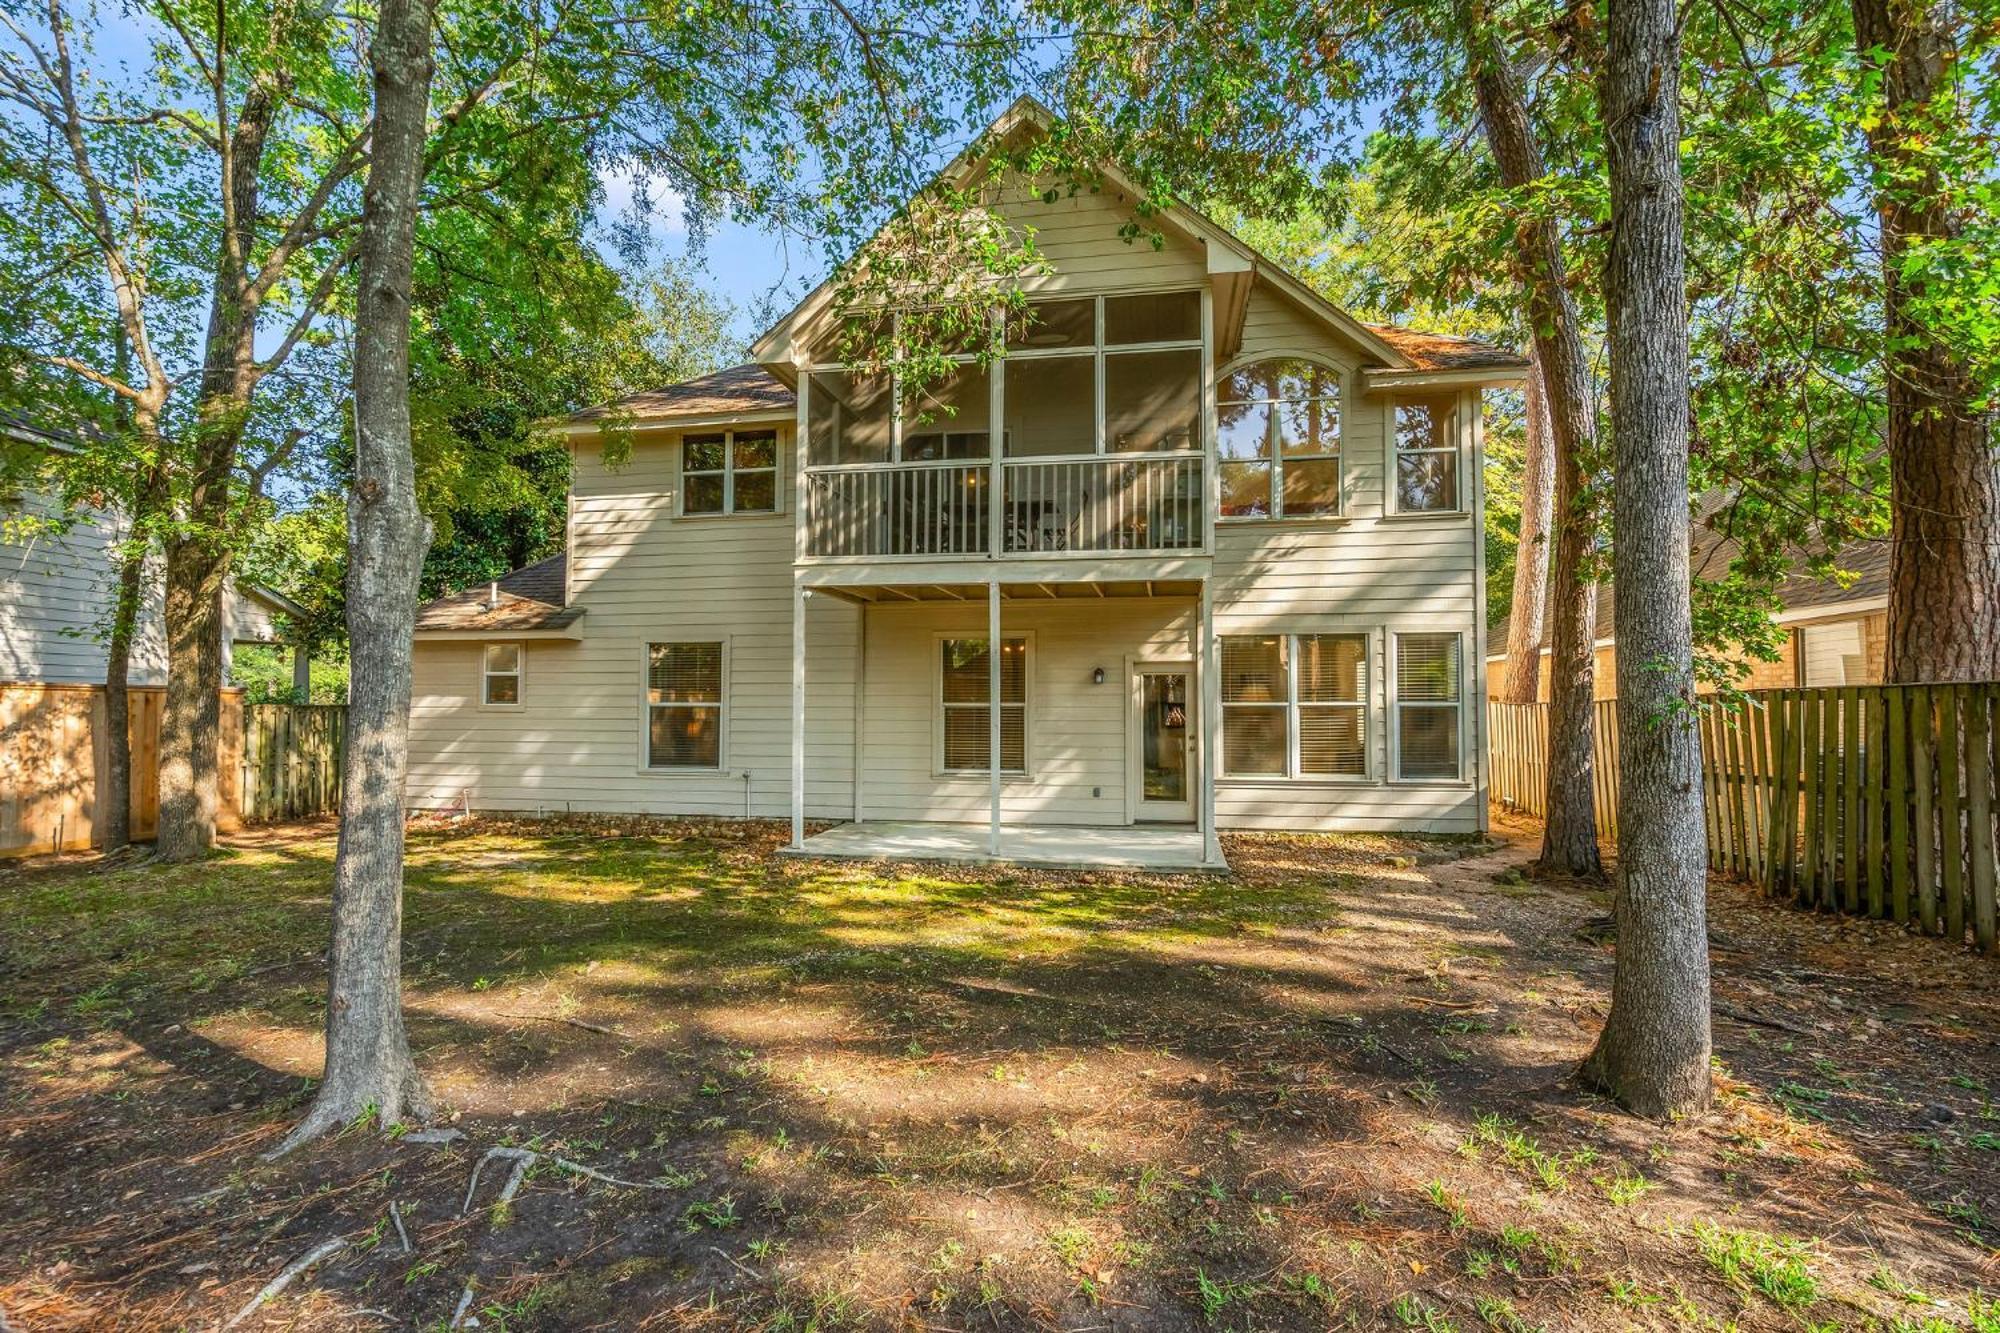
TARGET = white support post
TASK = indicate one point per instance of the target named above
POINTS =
(993, 713)
(798, 716)
(1211, 724)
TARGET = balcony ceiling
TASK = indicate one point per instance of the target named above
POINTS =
(1066, 590)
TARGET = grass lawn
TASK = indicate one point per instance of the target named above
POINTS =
(1331, 1090)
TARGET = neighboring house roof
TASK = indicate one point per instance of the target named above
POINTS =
(737, 391)
(1801, 593)
(19, 427)
(525, 601)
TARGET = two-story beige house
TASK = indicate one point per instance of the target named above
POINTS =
(1227, 538)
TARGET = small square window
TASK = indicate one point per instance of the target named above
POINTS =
(730, 472)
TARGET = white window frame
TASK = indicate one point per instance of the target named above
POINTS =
(728, 474)
(1292, 705)
(1339, 459)
(1022, 774)
(1396, 706)
(1392, 489)
(519, 673)
(996, 370)
(646, 706)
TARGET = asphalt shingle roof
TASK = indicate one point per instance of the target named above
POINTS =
(529, 599)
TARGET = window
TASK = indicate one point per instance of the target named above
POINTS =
(962, 692)
(1278, 441)
(1427, 706)
(1426, 458)
(500, 683)
(684, 705)
(1295, 705)
(1831, 654)
(730, 472)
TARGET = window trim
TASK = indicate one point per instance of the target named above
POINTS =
(1339, 460)
(996, 369)
(1026, 772)
(1392, 491)
(728, 473)
(647, 768)
(1467, 764)
(1294, 772)
(519, 673)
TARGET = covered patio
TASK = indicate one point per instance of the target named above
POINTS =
(1046, 846)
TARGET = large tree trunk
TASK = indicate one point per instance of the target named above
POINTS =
(200, 549)
(1653, 1055)
(368, 1062)
(191, 720)
(1944, 562)
(1523, 682)
(1569, 837)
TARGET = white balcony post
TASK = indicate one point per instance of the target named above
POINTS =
(798, 716)
(1210, 669)
(993, 713)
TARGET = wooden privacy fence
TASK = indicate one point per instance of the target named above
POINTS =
(1518, 747)
(1876, 800)
(276, 761)
(293, 756)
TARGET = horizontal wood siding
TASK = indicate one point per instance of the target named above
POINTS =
(1076, 728)
(55, 600)
(644, 576)
(1360, 573)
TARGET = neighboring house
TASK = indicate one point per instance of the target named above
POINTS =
(1230, 535)
(56, 591)
(1833, 633)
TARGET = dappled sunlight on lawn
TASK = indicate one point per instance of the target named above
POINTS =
(1332, 1088)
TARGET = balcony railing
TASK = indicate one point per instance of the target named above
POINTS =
(1113, 505)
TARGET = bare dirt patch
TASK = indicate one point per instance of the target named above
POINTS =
(1331, 1090)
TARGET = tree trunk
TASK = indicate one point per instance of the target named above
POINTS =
(1944, 478)
(200, 549)
(368, 1062)
(1523, 683)
(1653, 1055)
(191, 721)
(115, 803)
(1569, 837)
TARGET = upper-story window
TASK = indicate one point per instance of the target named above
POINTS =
(1426, 458)
(1081, 375)
(730, 472)
(1278, 440)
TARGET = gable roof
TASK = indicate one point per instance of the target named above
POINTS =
(1227, 253)
(528, 600)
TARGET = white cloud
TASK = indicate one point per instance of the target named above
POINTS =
(621, 181)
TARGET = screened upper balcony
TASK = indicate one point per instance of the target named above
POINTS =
(1099, 443)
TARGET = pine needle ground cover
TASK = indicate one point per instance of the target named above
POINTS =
(1330, 1090)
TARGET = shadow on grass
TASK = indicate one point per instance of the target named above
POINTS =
(987, 1097)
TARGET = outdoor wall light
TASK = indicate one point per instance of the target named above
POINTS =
(1097, 676)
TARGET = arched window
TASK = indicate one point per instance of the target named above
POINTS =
(1278, 440)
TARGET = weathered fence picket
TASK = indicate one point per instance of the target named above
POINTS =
(293, 755)
(1869, 800)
